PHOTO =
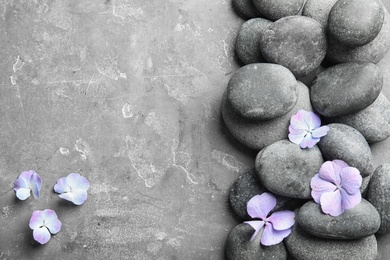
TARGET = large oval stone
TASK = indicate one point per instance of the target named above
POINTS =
(371, 52)
(248, 40)
(262, 91)
(239, 247)
(346, 88)
(361, 221)
(303, 246)
(296, 42)
(246, 8)
(286, 169)
(258, 134)
(319, 10)
(346, 143)
(373, 122)
(276, 9)
(379, 195)
(355, 22)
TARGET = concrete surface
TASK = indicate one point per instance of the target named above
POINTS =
(126, 93)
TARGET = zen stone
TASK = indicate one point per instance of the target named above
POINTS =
(319, 10)
(248, 40)
(246, 8)
(346, 143)
(346, 88)
(276, 9)
(303, 246)
(258, 134)
(361, 221)
(239, 247)
(371, 52)
(296, 42)
(379, 195)
(373, 122)
(355, 22)
(286, 169)
(262, 91)
(247, 186)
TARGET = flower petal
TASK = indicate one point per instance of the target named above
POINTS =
(256, 225)
(77, 182)
(330, 171)
(260, 206)
(61, 186)
(36, 219)
(320, 132)
(320, 186)
(331, 203)
(272, 236)
(296, 139)
(26, 175)
(351, 180)
(23, 193)
(282, 220)
(309, 141)
(297, 121)
(78, 197)
(297, 131)
(41, 235)
(350, 201)
(35, 184)
(51, 221)
(312, 120)
(20, 183)
(340, 164)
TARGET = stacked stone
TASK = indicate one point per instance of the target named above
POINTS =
(282, 44)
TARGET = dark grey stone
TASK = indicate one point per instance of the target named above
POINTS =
(355, 22)
(346, 88)
(319, 10)
(373, 122)
(286, 169)
(378, 194)
(296, 42)
(239, 247)
(371, 52)
(258, 134)
(246, 8)
(361, 221)
(248, 40)
(276, 9)
(345, 143)
(262, 91)
(303, 246)
(247, 186)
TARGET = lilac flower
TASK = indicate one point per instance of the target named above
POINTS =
(43, 223)
(336, 187)
(72, 188)
(26, 182)
(276, 227)
(305, 129)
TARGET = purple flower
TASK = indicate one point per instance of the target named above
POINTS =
(72, 188)
(276, 227)
(26, 182)
(336, 187)
(305, 129)
(43, 223)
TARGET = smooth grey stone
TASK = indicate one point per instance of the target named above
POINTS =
(245, 187)
(286, 169)
(296, 42)
(361, 221)
(346, 88)
(248, 40)
(378, 194)
(246, 8)
(319, 10)
(355, 23)
(239, 247)
(303, 246)
(262, 91)
(258, 134)
(345, 143)
(371, 52)
(276, 9)
(373, 122)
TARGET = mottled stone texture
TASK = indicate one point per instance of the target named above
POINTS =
(276, 9)
(245, 8)
(319, 10)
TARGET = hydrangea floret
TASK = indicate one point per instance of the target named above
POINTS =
(305, 129)
(44, 223)
(336, 187)
(27, 182)
(275, 227)
(73, 188)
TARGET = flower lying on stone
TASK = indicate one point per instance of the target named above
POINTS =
(43, 223)
(72, 188)
(305, 129)
(276, 227)
(26, 182)
(336, 187)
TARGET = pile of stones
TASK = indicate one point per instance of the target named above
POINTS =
(283, 42)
